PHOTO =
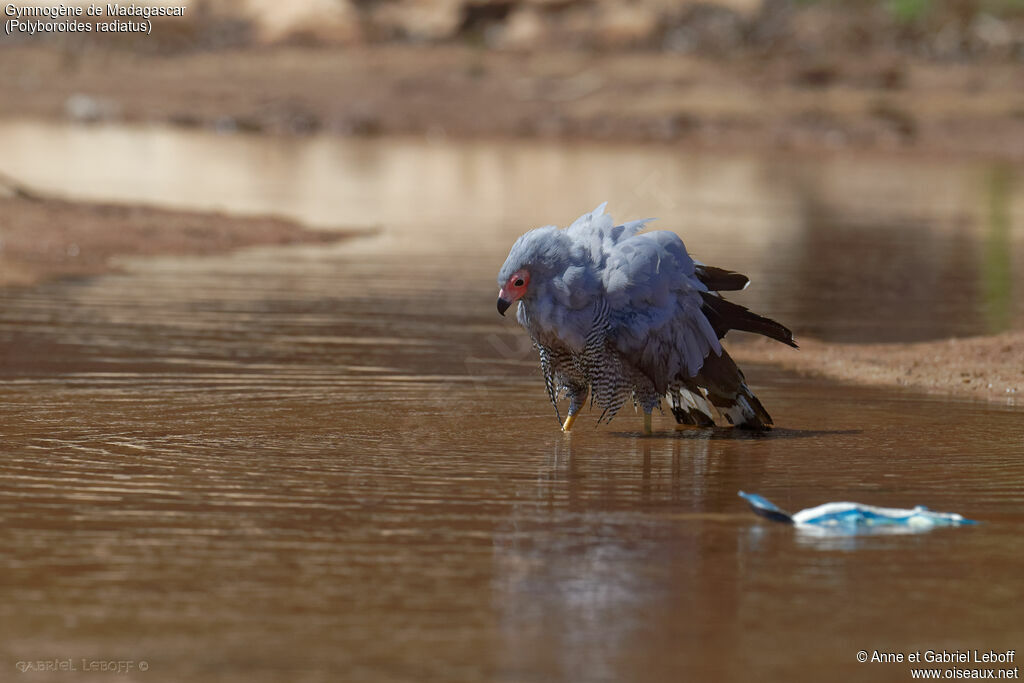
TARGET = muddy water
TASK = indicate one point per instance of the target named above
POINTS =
(339, 464)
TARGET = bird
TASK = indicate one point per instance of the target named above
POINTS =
(619, 314)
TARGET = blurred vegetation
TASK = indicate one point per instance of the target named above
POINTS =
(917, 10)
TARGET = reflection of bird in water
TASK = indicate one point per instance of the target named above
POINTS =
(618, 315)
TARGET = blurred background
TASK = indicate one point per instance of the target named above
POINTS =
(925, 74)
(897, 123)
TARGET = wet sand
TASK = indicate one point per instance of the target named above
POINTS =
(986, 368)
(777, 101)
(44, 238)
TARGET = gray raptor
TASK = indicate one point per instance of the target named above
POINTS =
(620, 315)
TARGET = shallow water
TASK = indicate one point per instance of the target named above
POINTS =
(339, 463)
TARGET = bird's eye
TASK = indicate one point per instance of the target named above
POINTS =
(519, 282)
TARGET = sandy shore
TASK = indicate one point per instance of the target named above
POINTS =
(873, 101)
(983, 368)
(44, 239)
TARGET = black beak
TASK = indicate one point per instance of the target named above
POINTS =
(503, 305)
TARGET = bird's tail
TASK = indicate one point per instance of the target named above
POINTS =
(689, 405)
(727, 390)
(724, 315)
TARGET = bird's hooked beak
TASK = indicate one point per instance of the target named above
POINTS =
(503, 301)
(514, 289)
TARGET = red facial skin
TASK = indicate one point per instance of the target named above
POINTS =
(516, 286)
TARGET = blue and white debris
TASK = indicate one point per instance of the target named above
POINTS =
(855, 518)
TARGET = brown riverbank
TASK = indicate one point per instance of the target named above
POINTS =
(985, 368)
(881, 100)
(43, 239)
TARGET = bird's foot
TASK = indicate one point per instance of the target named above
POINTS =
(647, 423)
(569, 420)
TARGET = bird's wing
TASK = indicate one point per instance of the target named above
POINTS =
(655, 297)
(720, 279)
(595, 234)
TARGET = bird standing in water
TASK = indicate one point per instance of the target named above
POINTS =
(620, 315)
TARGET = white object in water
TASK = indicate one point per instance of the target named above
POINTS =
(854, 518)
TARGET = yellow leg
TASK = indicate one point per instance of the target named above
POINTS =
(647, 423)
(568, 422)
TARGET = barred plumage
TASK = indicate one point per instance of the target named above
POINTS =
(604, 370)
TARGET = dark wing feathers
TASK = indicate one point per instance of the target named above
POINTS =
(724, 315)
(727, 390)
(720, 279)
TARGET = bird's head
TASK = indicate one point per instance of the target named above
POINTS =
(513, 289)
(536, 256)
